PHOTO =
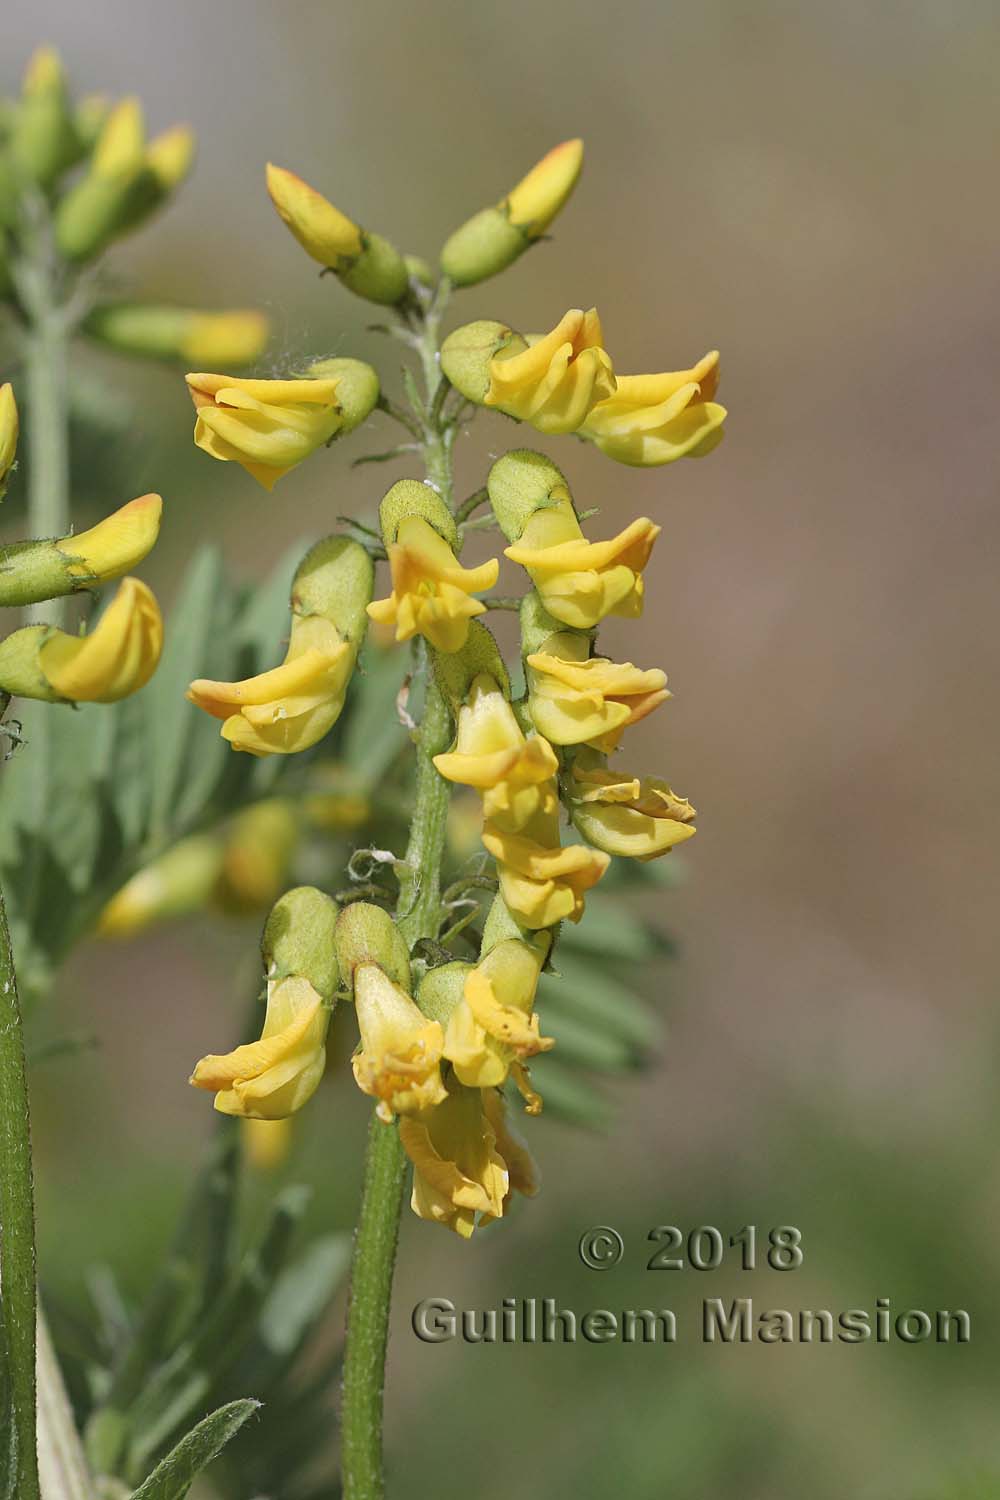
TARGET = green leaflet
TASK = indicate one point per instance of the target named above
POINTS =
(174, 1475)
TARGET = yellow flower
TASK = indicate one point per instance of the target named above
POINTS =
(459, 1176)
(266, 1142)
(115, 544)
(116, 659)
(225, 338)
(638, 817)
(513, 773)
(430, 588)
(267, 426)
(179, 882)
(273, 1077)
(555, 382)
(121, 145)
(493, 1025)
(538, 197)
(581, 582)
(653, 419)
(576, 698)
(292, 706)
(8, 433)
(399, 1060)
(322, 230)
(542, 883)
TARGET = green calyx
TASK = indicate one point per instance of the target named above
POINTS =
(366, 934)
(441, 990)
(520, 484)
(466, 355)
(483, 246)
(335, 579)
(411, 497)
(299, 940)
(378, 274)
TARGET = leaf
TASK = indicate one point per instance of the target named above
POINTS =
(595, 997)
(173, 1477)
(569, 1096)
(374, 736)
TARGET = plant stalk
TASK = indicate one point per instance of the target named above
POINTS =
(46, 356)
(417, 912)
(18, 1295)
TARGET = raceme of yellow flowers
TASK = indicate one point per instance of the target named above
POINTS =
(442, 1038)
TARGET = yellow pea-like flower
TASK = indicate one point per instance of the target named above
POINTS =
(292, 706)
(321, 229)
(400, 1056)
(542, 883)
(635, 817)
(267, 426)
(653, 419)
(273, 1077)
(494, 1025)
(578, 699)
(431, 591)
(9, 427)
(555, 382)
(116, 659)
(513, 772)
(460, 1178)
(581, 582)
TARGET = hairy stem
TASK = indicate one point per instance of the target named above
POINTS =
(418, 915)
(46, 354)
(18, 1298)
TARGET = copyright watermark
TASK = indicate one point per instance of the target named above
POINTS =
(601, 1247)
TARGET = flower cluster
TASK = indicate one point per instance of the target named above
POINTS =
(442, 1030)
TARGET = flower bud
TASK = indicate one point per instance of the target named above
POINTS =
(368, 935)
(115, 660)
(33, 571)
(103, 203)
(89, 118)
(256, 855)
(466, 355)
(43, 141)
(170, 156)
(179, 882)
(197, 338)
(9, 427)
(299, 940)
(365, 262)
(492, 239)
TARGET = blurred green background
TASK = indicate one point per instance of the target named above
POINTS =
(810, 188)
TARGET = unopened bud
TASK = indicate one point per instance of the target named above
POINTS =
(180, 881)
(198, 338)
(43, 141)
(365, 262)
(256, 856)
(366, 934)
(8, 434)
(299, 940)
(492, 239)
(33, 571)
(466, 355)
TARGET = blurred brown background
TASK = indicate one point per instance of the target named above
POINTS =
(810, 188)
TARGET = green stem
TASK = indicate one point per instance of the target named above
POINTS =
(18, 1298)
(418, 915)
(46, 370)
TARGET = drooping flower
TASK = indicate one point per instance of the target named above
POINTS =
(653, 419)
(581, 582)
(513, 772)
(431, 591)
(637, 817)
(554, 383)
(266, 426)
(399, 1060)
(460, 1178)
(292, 706)
(116, 544)
(541, 882)
(273, 1077)
(116, 659)
(577, 699)
(494, 1025)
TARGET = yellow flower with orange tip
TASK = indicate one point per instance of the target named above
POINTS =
(114, 545)
(431, 591)
(581, 582)
(555, 382)
(513, 772)
(273, 1077)
(267, 426)
(321, 229)
(399, 1060)
(653, 419)
(116, 659)
(493, 1027)
(538, 197)
(290, 707)
(576, 698)
(460, 1177)
(635, 817)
